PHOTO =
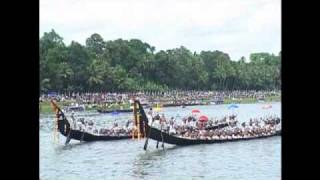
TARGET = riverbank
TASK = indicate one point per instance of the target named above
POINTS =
(250, 100)
(45, 107)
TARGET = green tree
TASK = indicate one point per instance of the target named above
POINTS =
(95, 45)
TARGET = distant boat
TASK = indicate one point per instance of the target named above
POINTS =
(112, 111)
(75, 108)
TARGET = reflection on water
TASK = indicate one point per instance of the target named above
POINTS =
(126, 159)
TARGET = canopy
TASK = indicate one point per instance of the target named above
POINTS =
(203, 118)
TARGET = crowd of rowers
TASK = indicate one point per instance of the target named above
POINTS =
(90, 127)
(191, 128)
(126, 130)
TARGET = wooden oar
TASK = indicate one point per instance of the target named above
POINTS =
(158, 141)
(162, 140)
(146, 143)
(68, 138)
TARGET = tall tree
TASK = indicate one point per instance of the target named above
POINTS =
(96, 45)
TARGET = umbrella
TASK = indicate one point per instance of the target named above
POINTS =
(267, 106)
(232, 106)
(203, 118)
(195, 111)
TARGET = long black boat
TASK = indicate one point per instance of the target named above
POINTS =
(161, 136)
(65, 129)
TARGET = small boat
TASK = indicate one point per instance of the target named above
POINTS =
(65, 129)
(161, 136)
(110, 111)
(78, 108)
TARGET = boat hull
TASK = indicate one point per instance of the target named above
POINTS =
(155, 134)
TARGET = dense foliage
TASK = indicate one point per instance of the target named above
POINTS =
(131, 65)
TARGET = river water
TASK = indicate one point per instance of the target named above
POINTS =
(126, 159)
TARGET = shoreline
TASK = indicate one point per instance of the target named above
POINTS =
(45, 107)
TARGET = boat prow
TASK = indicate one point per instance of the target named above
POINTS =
(63, 126)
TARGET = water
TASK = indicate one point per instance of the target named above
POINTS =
(126, 159)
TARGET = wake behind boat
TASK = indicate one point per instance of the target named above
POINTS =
(218, 136)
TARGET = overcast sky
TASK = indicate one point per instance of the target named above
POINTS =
(237, 27)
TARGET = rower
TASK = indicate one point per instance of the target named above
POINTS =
(127, 123)
(73, 121)
(79, 124)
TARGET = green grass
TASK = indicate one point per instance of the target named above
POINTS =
(45, 107)
(251, 100)
(115, 107)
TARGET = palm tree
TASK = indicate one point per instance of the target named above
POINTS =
(96, 74)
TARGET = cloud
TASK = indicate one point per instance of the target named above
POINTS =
(237, 27)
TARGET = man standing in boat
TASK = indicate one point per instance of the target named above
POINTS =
(150, 115)
(163, 122)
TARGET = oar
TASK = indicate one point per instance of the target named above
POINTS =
(158, 141)
(146, 143)
(81, 140)
(161, 138)
(68, 138)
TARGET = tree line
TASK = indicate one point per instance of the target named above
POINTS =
(133, 65)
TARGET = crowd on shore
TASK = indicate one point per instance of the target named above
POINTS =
(170, 97)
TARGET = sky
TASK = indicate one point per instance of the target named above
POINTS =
(236, 27)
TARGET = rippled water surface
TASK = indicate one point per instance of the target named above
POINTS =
(126, 159)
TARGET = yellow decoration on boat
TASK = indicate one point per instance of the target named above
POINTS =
(158, 108)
